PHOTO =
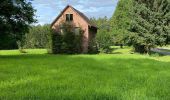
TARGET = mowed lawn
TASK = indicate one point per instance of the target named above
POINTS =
(118, 76)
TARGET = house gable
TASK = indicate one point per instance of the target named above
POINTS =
(78, 17)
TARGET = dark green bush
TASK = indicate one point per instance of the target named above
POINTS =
(56, 43)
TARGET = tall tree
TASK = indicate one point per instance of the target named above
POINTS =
(150, 24)
(120, 21)
(15, 18)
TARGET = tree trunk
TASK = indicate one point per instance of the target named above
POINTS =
(121, 46)
(147, 49)
(140, 49)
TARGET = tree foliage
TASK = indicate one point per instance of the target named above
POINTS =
(37, 37)
(15, 18)
(150, 24)
(104, 37)
(120, 21)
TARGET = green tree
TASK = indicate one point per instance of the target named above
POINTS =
(120, 22)
(150, 24)
(15, 18)
(38, 37)
(104, 37)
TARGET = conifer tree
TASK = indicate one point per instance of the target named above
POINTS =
(150, 24)
(120, 21)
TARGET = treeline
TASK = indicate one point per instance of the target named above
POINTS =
(37, 37)
(143, 24)
(114, 30)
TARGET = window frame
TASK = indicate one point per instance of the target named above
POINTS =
(69, 17)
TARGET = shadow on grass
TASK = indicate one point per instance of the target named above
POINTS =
(76, 57)
(116, 53)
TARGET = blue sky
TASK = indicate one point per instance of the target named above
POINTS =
(48, 10)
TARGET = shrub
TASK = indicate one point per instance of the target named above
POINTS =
(20, 47)
(104, 41)
(93, 47)
(56, 43)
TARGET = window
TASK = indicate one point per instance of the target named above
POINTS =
(69, 17)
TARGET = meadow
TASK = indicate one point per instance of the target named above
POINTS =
(122, 75)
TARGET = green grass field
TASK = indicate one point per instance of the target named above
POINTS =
(37, 75)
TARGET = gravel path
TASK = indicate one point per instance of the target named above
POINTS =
(161, 51)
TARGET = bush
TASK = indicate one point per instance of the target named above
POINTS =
(56, 43)
(104, 41)
(93, 47)
(20, 47)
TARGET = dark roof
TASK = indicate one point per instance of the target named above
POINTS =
(80, 13)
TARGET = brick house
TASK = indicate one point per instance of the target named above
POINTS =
(70, 14)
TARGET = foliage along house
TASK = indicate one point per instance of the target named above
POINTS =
(70, 14)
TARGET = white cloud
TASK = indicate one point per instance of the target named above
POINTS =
(47, 10)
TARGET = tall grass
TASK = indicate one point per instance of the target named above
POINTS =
(83, 77)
